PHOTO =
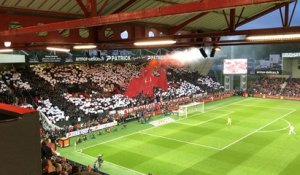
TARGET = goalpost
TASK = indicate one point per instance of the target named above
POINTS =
(185, 110)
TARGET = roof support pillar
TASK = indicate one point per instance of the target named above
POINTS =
(286, 15)
(232, 20)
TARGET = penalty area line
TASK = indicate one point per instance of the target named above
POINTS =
(205, 121)
(214, 109)
(242, 138)
(181, 141)
(124, 136)
(264, 107)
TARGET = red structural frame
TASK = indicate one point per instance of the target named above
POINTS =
(119, 20)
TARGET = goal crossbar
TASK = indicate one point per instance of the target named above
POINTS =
(184, 110)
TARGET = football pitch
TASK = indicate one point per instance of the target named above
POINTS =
(257, 142)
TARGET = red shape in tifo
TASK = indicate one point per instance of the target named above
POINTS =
(147, 81)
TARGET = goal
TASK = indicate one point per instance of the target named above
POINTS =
(189, 109)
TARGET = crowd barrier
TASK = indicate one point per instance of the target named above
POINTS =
(156, 107)
(276, 97)
(90, 129)
(211, 99)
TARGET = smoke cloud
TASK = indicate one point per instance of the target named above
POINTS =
(177, 58)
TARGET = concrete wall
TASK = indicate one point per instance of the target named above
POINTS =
(20, 144)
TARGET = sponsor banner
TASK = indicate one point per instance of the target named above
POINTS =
(71, 59)
(292, 98)
(33, 59)
(291, 55)
(273, 97)
(51, 59)
(91, 56)
(162, 121)
(115, 58)
(268, 72)
(130, 117)
(94, 128)
(12, 58)
(47, 59)
(89, 59)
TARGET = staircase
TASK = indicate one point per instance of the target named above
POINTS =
(283, 85)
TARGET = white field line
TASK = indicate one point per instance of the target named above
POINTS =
(276, 130)
(132, 170)
(265, 107)
(230, 104)
(117, 138)
(181, 141)
(257, 130)
(107, 162)
(200, 113)
(202, 122)
(227, 105)
(195, 115)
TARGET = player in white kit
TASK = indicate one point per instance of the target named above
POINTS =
(292, 130)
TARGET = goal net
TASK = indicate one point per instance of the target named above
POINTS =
(189, 109)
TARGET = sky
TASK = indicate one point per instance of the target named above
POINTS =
(273, 19)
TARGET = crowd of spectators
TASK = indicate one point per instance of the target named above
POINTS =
(177, 74)
(12, 87)
(95, 104)
(53, 113)
(77, 96)
(53, 164)
(68, 93)
(13, 79)
(102, 77)
(4, 92)
(276, 86)
(209, 85)
(267, 86)
(178, 89)
(97, 80)
(292, 88)
(82, 95)
(3, 86)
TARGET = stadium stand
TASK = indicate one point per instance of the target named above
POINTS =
(268, 86)
(80, 96)
(292, 88)
(280, 87)
(68, 92)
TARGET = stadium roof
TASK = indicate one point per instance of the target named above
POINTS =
(111, 24)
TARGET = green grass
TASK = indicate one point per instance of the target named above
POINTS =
(256, 143)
